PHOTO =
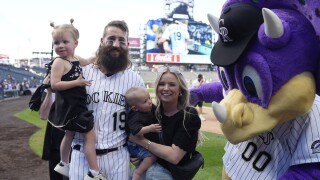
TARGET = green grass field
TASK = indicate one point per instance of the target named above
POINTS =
(211, 149)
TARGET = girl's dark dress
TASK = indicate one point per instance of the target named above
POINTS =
(70, 105)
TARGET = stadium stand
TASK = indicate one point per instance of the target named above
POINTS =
(17, 81)
(18, 73)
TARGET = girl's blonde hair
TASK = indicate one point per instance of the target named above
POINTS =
(65, 28)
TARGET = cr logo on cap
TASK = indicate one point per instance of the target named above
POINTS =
(223, 31)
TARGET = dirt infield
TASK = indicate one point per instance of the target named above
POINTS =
(18, 162)
(210, 124)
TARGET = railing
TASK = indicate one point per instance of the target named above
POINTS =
(8, 94)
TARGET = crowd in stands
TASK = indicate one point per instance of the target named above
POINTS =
(10, 83)
(18, 79)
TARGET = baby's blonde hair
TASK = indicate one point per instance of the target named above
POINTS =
(65, 28)
(132, 95)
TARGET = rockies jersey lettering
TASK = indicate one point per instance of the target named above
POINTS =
(110, 97)
(269, 155)
(106, 97)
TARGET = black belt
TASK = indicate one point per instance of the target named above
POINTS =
(100, 151)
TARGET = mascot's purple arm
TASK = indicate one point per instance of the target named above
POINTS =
(208, 92)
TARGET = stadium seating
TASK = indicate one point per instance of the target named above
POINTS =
(18, 73)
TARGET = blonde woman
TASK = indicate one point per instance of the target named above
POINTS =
(180, 124)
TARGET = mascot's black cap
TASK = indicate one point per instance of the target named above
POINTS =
(238, 23)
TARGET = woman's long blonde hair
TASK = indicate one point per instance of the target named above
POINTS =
(183, 98)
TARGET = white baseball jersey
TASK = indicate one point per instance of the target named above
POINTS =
(106, 97)
(195, 83)
(178, 35)
(269, 155)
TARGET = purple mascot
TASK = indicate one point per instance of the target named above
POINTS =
(268, 57)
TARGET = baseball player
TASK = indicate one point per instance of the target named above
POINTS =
(111, 78)
(177, 33)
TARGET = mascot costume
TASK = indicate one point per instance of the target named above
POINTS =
(267, 102)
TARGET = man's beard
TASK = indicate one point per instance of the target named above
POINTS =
(110, 63)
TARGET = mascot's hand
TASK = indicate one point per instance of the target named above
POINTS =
(194, 96)
(207, 92)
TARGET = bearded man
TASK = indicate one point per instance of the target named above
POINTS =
(111, 77)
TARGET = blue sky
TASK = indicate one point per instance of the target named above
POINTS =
(25, 23)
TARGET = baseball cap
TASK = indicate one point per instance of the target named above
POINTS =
(238, 23)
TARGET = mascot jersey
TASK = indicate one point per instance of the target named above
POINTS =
(269, 155)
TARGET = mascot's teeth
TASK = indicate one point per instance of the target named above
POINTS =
(220, 112)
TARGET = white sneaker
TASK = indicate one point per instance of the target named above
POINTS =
(100, 176)
(202, 118)
(62, 168)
